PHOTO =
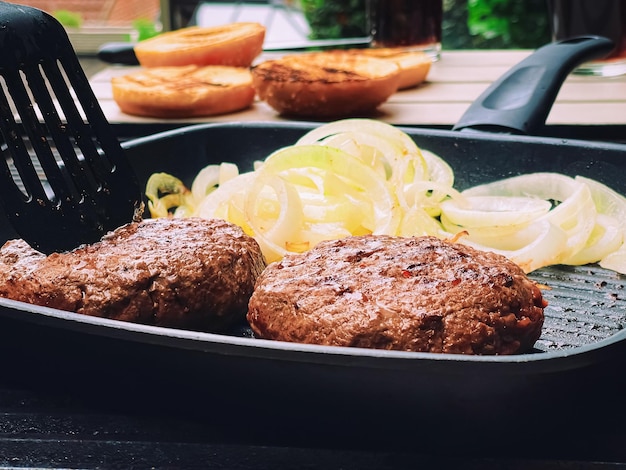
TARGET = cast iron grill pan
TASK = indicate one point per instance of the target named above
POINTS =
(586, 304)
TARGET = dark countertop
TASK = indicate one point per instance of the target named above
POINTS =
(44, 429)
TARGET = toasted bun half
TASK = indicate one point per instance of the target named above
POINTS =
(325, 84)
(414, 65)
(234, 44)
(189, 91)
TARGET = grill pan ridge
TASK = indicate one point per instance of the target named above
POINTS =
(585, 305)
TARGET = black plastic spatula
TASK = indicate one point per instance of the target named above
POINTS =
(64, 178)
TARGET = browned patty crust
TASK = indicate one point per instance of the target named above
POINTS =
(410, 294)
(189, 273)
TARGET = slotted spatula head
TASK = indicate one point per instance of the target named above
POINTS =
(64, 178)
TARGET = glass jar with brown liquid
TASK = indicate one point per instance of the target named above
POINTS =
(410, 24)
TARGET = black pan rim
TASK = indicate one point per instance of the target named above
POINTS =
(411, 130)
(280, 350)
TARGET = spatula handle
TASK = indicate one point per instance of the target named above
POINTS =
(520, 100)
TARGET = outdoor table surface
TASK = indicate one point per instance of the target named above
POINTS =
(452, 84)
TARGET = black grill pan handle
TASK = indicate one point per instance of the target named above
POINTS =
(520, 100)
(122, 53)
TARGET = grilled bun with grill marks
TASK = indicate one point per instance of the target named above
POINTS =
(234, 44)
(186, 91)
(328, 84)
(414, 65)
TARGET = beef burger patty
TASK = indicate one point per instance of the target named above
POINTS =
(188, 273)
(410, 294)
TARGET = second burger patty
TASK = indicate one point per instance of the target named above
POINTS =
(410, 294)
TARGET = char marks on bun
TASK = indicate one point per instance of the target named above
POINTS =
(414, 65)
(325, 84)
(233, 44)
(182, 92)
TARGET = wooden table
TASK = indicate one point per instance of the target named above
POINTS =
(452, 84)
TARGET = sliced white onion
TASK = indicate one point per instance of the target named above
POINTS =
(497, 236)
(438, 169)
(232, 192)
(210, 177)
(370, 185)
(205, 182)
(426, 195)
(535, 246)
(549, 186)
(273, 235)
(615, 261)
(607, 200)
(375, 151)
(575, 213)
(360, 125)
(606, 237)
(494, 211)
(576, 216)
(611, 208)
(417, 222)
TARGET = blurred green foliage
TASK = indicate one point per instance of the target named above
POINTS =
(507, 23)
(145, 28)
(331, 19)
(69, 19)
(467, 24)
